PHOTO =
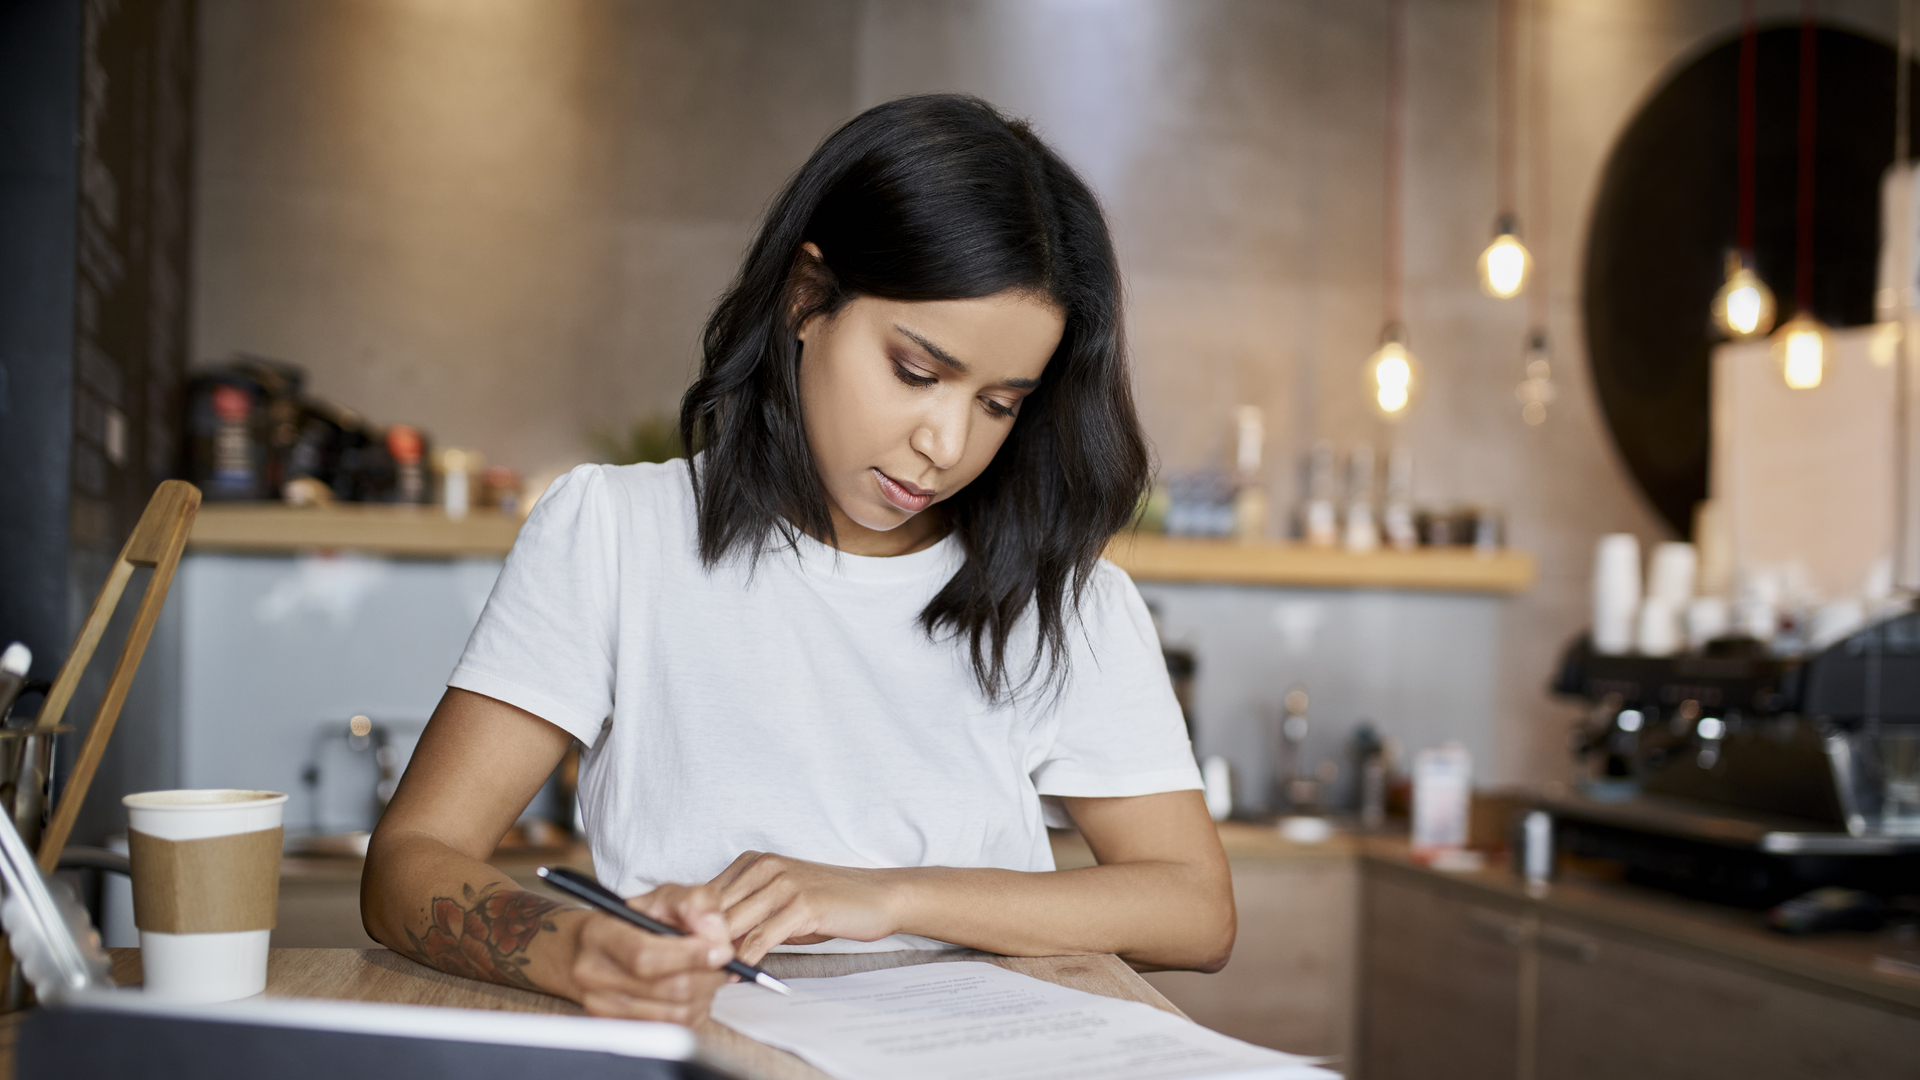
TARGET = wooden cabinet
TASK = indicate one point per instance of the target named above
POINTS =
(1458, 979)
(1612, 1007)
(1290, 982)
(1439, 983)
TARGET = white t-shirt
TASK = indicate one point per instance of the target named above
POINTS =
(799, 709)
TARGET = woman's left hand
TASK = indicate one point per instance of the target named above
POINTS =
(773, 900)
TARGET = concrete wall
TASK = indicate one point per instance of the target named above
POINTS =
(504, 219)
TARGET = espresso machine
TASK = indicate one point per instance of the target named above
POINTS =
(1742, 777)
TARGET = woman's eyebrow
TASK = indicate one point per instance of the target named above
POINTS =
(935, 351)
(955, 363)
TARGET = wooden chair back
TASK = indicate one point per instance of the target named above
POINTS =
(156, 544)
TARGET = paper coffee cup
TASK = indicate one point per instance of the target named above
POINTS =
(1616, 593)
(206, 882)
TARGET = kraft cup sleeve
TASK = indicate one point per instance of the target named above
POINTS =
(216, 885)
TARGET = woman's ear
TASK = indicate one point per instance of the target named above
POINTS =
(810, 288)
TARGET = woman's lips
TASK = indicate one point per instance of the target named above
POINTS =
(904, 495)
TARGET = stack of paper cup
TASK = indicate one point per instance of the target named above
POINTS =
(1670, 578)
(1657, 630)
(1708, 617)
(1660, 629)
(206, 883)
(1756, 606)
(1616, 593)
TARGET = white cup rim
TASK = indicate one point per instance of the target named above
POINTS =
(193, 799)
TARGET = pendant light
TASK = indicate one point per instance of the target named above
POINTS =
(1537, 391)
(1505, 263)
(1743, 308)
(1392, 374)
(1800, 347)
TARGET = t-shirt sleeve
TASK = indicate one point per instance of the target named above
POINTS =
(1119, 729)
(545, 641)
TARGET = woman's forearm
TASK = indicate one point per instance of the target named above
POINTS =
(1162, 896)
(428, 893)
(1152, 914)
(424, 900)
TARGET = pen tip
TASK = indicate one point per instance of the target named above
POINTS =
(772, 983)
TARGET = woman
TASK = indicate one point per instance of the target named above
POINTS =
(843, 664)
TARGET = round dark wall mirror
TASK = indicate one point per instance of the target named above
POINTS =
(1666, 215)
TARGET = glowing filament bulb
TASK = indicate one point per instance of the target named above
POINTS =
(1801, 348)
(1390, 372)
(1393, 377)
(1504, 265)
(1743, 307)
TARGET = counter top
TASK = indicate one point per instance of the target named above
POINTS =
(1190, 560)
(1840, 962)
(1243, 841)
(380, 975)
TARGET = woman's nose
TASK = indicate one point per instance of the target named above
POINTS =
(942, 437)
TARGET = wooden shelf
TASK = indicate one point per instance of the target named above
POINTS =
(426, 532)
(1151, 557)
(418, 531)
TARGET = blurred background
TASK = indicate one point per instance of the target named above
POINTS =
(372, 272)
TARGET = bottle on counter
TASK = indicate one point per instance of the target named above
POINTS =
(500, 489)
(408, 448)
(1370, 765)
(458, 469)
(1288, 790)
(1249, 498)
(239, 459)
(1319, 521)
(1442, 792)
(1397, 523)
(227, 453)
(1362, 532)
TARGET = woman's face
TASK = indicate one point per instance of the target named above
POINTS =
(906, 402)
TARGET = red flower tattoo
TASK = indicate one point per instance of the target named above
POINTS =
(482, 938)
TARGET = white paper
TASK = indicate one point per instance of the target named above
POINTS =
(969, 1020)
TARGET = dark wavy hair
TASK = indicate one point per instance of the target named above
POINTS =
(938, 197)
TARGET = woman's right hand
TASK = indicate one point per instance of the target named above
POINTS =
(428, 892)
(621, 970)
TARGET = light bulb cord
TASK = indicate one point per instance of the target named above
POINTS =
(1901, 80)
(1749, 77)
(1396, 124)
(1537, 190)
(1803, 209)
(1505, 108)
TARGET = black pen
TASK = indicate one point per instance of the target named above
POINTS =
(582, 887)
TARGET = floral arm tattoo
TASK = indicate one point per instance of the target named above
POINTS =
(485, 938)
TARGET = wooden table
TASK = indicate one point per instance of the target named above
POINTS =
(380, 975)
